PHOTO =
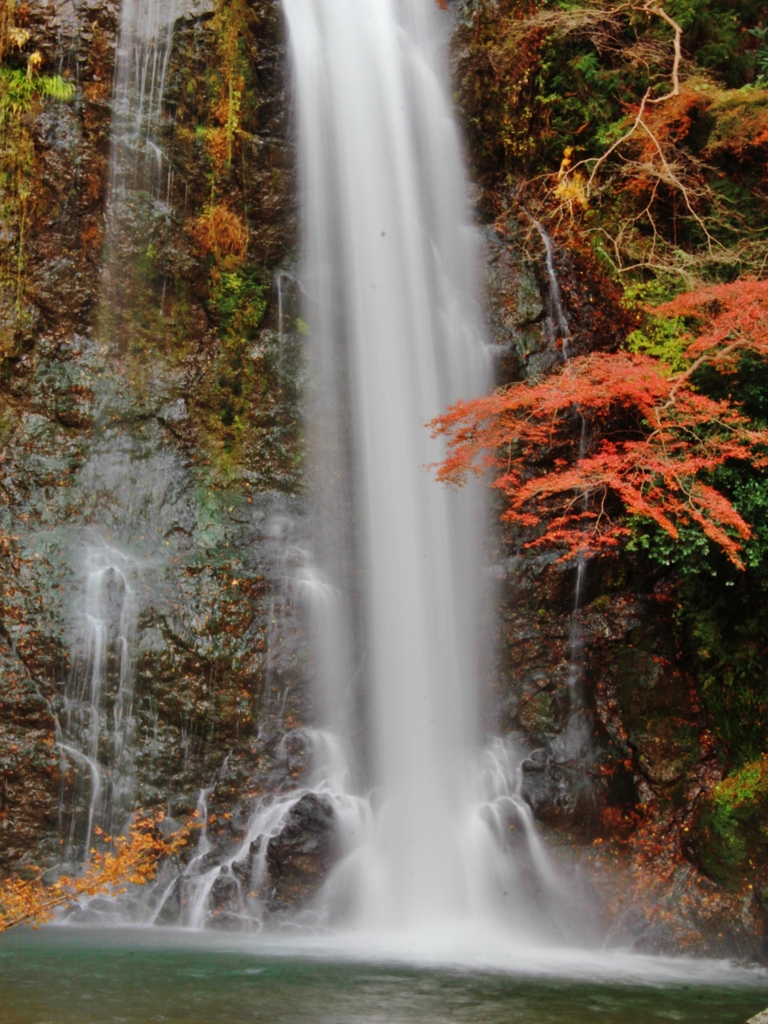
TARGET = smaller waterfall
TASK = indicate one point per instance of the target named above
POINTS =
(140, 182)
(141, 69)
(236, 890)
(557, 324)
(96, 726)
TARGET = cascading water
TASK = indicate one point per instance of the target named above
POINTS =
(98, 699)
(556, 320)
(143, 53)
(428, 829)
(96, 726)
(390, 271)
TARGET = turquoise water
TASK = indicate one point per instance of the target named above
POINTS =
(63, 976)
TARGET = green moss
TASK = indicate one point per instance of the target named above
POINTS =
(22, 94)
(732, 831)
(240, 303)
(740, 116)
(237, 300)
(663, 338)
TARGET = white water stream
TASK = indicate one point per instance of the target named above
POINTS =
(390, 275)
(556, 321)
(95, 733)
(432, 833)
(96, 729)
(141, 68)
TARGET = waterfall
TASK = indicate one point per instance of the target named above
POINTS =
(390, 276)
(143, 53)
(96, 729)
(557, 325)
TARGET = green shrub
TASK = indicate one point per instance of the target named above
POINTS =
(732, 831)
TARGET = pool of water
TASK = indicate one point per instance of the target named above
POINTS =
(69, 976)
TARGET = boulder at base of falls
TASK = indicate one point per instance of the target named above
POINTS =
(300, 856)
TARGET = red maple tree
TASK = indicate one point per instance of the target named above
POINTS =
(617, 434)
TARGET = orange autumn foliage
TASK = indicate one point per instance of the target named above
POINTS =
(730, 317)
(131, 859)
(612, 435)
(220, 233)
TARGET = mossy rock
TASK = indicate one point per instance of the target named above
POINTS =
(740, 119)
(732, 830)
(656, 711)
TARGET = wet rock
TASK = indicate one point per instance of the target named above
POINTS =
(516, 308)
(544, 705)
(559, 792)
(110, 434)
(225, 901)
(29, 765)
(173, 905)
(300, 856)
(646, 703)
(176, 413)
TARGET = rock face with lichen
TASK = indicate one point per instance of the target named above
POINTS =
(148, 406)
(625, 773)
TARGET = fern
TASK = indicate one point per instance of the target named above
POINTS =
(19, 90)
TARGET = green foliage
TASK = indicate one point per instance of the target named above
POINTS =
(664, 338)
(581, 96)
(721, 615)
(240, 303)
(689, 554)
(728, 653)
(746, 383)
(22, 90)
(731, 833)
(19, 91)
(716, 35)
(761, 56)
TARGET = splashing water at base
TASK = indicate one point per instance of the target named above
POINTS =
(516, 879)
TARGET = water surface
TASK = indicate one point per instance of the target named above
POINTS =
(63, 976)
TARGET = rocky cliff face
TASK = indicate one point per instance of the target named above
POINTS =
(625, 771)
(150, 434)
